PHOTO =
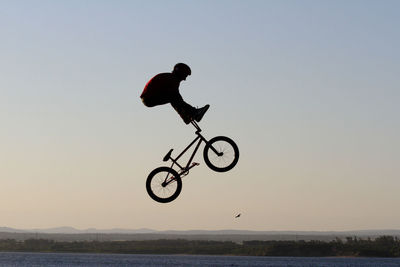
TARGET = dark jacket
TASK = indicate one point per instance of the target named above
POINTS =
(161, 89)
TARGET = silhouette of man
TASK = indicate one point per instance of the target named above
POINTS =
(164, 88)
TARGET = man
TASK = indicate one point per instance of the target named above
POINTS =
(164, 88)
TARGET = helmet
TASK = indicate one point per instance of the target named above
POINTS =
(182, 70)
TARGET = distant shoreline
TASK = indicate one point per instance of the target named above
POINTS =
(385, 246)
(68, 234)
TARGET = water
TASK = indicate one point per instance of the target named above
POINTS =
(76, 259)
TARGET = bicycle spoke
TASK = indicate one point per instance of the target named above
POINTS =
(221, 154)
(163, 191)
(227, 154)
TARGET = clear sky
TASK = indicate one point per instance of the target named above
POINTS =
(309, 90)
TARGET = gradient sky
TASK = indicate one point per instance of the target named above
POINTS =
(309, 90)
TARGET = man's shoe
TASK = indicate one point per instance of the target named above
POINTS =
(187, 120)
(200, 113)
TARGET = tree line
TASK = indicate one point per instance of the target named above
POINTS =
(384, 246)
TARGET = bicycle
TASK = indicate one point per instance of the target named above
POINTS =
(221, 154)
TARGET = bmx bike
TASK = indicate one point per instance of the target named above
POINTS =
(164, 184)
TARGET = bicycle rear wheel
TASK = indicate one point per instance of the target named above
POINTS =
(221, 154)
(164, 184)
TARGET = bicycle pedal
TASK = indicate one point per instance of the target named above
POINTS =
(195, 164)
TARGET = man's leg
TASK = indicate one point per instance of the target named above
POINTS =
(154, 101)
(148, 103)
(186, 111)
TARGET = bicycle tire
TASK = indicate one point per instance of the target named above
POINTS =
(229, 157)
(157, 191)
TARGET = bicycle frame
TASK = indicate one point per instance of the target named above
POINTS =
(185, 170)
(221, 154)
(199, 139)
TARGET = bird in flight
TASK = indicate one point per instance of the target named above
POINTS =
(237, 216)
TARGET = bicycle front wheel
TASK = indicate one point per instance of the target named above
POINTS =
(164, 184)
(221, 154)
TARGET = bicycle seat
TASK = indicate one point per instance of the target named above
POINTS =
(166, 158)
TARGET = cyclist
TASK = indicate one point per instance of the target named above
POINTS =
(164, 88)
